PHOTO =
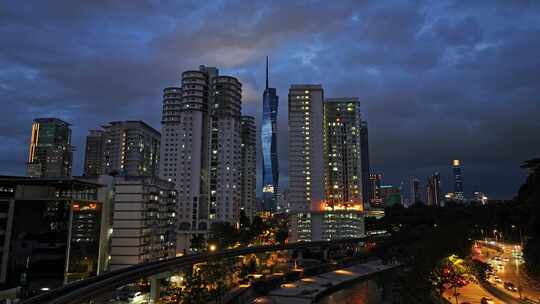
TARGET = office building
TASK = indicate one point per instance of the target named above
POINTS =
(415, 197)
(458, 180)
(433, 190)
(201, 151)
(50, 154)
(249, 166)
(364, 154)
(326, 225)
(144, 224)
(283, 205)
(375, 186)
(51, 232)
(270, 166)
(342, 150)
(93, 154)
(306, 159)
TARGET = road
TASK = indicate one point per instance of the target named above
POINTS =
(472, 293)
(510, 268)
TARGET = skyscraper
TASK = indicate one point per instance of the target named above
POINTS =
(364, 148)
(415, 191)
(50, 153)
(202, 151)
(130, 148)
(376, 196)
(93, 154)
(458, 180)
(269, 147)
(433, 190)
(342, 151)
(249, 166)
(306, 159)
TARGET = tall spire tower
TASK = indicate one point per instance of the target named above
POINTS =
(270, 176)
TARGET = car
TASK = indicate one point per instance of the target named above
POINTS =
(497, 279)
(510, 286)
(134, 295)
(487, 301)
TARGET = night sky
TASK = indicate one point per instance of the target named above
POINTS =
(437, 80)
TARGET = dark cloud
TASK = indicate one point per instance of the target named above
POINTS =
(437, 80)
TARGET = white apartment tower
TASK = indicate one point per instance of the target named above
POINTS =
(306, 159)
(201, 152)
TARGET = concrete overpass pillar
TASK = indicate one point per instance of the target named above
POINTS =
(154, 289)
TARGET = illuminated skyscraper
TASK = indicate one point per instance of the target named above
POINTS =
(306, 159)
(269, 147)
(458, 179)
(50, 153)
(342, 151)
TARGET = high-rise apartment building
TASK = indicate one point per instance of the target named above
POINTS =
(144, 227)
(375, 185)
(433, 189)
(50, 154)
(201, 151)
(342, 151)
(130, 148)
(270, 172)
(458, 180)
(364, 154)
(306, 159)
(415, 191)
(249, 166)
(93, 154)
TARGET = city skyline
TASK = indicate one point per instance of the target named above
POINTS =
(419, 91)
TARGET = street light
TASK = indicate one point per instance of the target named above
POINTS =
(213, 247)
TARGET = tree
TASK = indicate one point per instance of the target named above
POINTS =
(452, 273)
(194, 287)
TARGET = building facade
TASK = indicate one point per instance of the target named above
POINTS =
(93, 153)
(270, 165)
(415, 195)
(433, 189)
(51, 232)
(201, 151)
(326, 225)
(342, 151)
(50, 153)
(130, 148)
(144, 225)
(249, 166)
(458, 180)
(306, 159)
(391, 195)
(375, 186)
(364, 148)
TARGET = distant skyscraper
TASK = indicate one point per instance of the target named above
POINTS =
(93, 154)
(364, 148)
(342, 151)
(202, 151)
(458, 179)
(269, 146)
(415, 191)
(306, 159)
(130, 148)
(249, 165)
(376, 195)
(50, 153)
(433, 189)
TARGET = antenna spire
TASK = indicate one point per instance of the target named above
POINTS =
(267, 72)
